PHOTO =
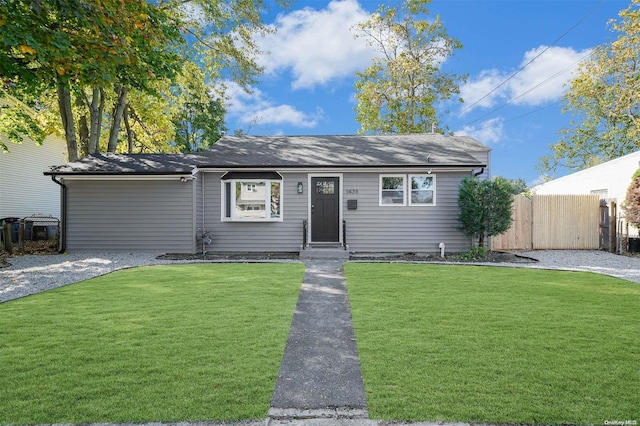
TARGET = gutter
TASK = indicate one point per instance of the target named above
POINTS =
(63, 215)
(297, 167)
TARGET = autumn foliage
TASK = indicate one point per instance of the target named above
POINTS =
(121, 74)
(631, 205)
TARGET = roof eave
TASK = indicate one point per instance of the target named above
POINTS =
(94, 173)
(340, 166)
(182, 176)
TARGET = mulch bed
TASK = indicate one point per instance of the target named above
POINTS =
(229, 256)
(491, 257)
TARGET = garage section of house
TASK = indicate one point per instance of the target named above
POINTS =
(130, 215)
(116, 202)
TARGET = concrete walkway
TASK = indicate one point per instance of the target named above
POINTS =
(320, 373)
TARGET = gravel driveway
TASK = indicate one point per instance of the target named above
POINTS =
(33, 274)
(601, 262)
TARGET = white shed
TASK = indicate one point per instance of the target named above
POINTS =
(610, 180)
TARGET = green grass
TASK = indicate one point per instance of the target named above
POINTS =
(161, 343)
(488, 344)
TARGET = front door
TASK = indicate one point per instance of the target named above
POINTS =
(325, 209)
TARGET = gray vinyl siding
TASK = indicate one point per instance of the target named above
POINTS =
(375, 228)
(370, 228)
(284, 236)
(130, 216)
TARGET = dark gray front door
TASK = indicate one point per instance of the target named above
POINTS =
(325, 209)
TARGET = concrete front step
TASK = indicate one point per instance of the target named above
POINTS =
(324, 253)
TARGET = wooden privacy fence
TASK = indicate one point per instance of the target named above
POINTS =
(552, 222)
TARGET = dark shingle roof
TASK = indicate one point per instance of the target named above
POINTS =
(344, 151)
(109, 164)
(431, 150)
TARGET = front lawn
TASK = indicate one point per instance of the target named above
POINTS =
(491, 344)
(160, 343)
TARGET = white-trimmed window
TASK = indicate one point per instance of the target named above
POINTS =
(423, 190)
(251, 199)
(393, 190)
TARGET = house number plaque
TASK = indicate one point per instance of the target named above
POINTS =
(351, 191)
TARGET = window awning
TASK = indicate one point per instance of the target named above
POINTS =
(252, 175)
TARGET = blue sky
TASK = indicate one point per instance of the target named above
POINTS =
(312, 57)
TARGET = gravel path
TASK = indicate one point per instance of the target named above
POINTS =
(601, 262)
(33, 274)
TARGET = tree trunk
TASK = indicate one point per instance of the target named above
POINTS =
(83, 134)
(83, 128)
(66, 114)
(481, 241)
(118, 111)
(127, 126)
(96, 109)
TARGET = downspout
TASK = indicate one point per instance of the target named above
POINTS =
(202, 233)
(63, 215)
(474, 175)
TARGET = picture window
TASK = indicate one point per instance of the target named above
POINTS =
(252, 200)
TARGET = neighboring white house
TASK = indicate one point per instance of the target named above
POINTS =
(610, 180)
(24, 190)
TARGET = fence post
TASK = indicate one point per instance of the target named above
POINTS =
(613, 232)
(604, 226)
(21, 235)
(8, 246)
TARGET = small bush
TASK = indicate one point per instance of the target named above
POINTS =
(475, 253)
(631, 204)
(484, 207)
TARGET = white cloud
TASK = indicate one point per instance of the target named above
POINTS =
(487, 132)
(285, 114)
(543, 80)
(474, 90)
(256, 108)
(317, 45)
